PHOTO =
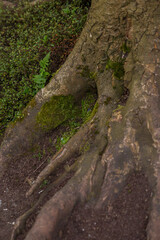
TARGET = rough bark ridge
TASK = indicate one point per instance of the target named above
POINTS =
(121, 139)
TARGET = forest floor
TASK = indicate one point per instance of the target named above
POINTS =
(125, 219)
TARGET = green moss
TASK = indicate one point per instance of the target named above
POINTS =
(107, 101)
(31, 104)
(85, 72)
(55, 112)
(22, 114)
(79, 116)
(107, 123)
(87, 105)
(96, 132)
(93, 112)
(53, 75)
(83, 58)
(85, 148)
(119, 107)
(125, 48)
(117, 67)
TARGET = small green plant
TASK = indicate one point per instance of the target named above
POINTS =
(107, 101)
(125, 47)
(84, 148)
(39, 156)
(45, 39)
(119, 107)
(64, 138)
(93, 112)
(44, 183)
(80, 115)
(72, 125)
(87, 106)
(117, 67)
(85, 72)
(41, 78)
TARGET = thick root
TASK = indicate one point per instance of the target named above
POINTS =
(80, 188)
(66, 152)
(118, 168)
(20, 222)
(54, 214)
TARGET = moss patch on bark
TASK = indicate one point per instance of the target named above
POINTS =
(55, 112)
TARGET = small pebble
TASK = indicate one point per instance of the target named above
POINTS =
(12, 223)
(40, 191)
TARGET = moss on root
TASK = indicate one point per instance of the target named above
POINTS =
(117, 67)
(55, 112)
(92, 113)
(85, 72)
(22, 114)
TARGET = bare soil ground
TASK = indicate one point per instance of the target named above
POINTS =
(126, 218)
(14, 184)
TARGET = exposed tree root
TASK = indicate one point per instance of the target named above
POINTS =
(117, 170)
(88, 176)
(117, 162)
(72, 147)
(57, 210)
(20, 222)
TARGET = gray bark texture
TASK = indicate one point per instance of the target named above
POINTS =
(128, 137)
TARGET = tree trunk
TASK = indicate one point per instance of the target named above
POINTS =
(120, 46)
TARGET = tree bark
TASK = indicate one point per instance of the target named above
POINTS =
(129, 136)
